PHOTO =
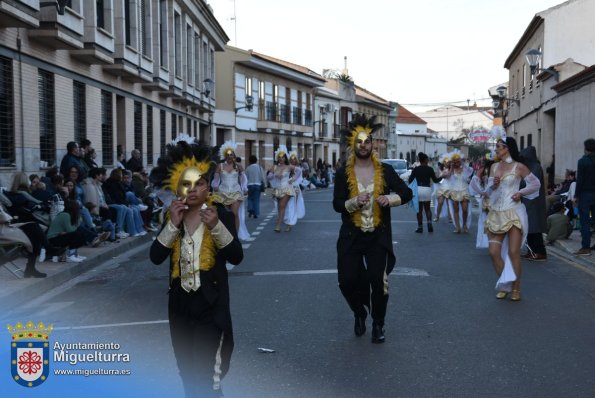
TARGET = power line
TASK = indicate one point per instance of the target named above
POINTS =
(443, 103)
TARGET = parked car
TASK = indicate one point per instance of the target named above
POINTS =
(401, 166)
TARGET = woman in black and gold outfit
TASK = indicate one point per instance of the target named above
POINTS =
(199, 238)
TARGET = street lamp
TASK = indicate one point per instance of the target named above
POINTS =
(249, 103)
(533, 58)
(59, 4)
(207, 87)
(501, 91)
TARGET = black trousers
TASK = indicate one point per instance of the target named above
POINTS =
(196, 340)
(535, 243)
(363, 269)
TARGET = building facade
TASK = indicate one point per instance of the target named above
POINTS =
(564, 37)
(126, 75)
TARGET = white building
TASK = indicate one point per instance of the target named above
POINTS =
(565, 36)
(412, 137)
(449, 121)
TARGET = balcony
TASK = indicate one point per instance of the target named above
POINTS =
(19, 13)
(61, 32)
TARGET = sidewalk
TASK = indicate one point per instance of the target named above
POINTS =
(565, 249)
(18, 289)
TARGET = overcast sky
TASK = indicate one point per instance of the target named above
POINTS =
(413, 52)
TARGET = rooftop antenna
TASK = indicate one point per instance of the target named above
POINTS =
(345, 70)
(235, 25)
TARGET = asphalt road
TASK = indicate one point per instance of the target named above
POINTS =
(447, 335)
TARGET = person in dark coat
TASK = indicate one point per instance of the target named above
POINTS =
(135, 163)
(536, 209)
(362, 194)
(199, 237)
(72, 158)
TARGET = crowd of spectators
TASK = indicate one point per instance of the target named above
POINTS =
(75, 205)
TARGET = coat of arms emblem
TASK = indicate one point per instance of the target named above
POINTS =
(29, 353)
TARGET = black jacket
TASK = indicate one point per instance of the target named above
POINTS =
(213, 283)
(348, 231)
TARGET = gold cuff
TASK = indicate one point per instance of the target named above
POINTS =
(168, 235)
(351, 205)
(393, 200)
(221, 236)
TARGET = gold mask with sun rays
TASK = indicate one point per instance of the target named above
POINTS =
(185, 176)
(359, 136)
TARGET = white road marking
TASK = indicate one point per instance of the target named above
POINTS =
(111, 325)
(246, 246)
(401, 271)
(255, 233)
(259, 228)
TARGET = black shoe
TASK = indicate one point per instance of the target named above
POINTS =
(419, 230)
(34, 274)
(430, 228)
(377, 333)
(360, 325)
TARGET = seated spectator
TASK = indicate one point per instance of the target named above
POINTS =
(558, 224)
(24, 206)
(65, 231)
(561, 188)
(317, 182)
(115, 194)
(135, 163)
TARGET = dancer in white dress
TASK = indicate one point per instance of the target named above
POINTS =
(507, 223)
(441, 189)
(458, 192)
(296, 208)
(478, 188)
(230, 186)
(281, 180)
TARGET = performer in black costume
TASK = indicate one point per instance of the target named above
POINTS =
(199, 237)
(365, 255)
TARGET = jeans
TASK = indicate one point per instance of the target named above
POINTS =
(254, 199)
(586, 208)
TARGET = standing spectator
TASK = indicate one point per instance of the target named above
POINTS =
(72, 158)
(256, 183)
(535, 209)
(319, 165)
(585, 195)
(135, 163)
(551, 172)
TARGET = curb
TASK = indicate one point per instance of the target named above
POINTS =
(44, 285)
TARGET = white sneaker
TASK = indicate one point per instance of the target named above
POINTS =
(73, 259)
(142, 207)
(140, 234)
(122, 235)
(41, 258)
(80, 257)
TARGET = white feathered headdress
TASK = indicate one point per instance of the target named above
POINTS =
(226, 148)
(282, 150)
(183, 137)
(498, 133)
(293, 154)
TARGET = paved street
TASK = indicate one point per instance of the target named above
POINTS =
(447, 335)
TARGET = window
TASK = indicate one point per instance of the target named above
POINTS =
(7, 149)
(522, 142)
(107, 137)
(100, 14)
(47, 121)
(127, 24)
(138, 126)
(144, 33)
(248, 85)
(80, 111)
(162, 137)
(197, 78)
(149, 134)
(261, 90)
(205, 64)
(529, 139)
(174, 127)
(163, 33)
(177, 44)
(189, 56)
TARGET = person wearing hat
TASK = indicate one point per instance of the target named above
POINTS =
(199, 237)
(362, 194)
